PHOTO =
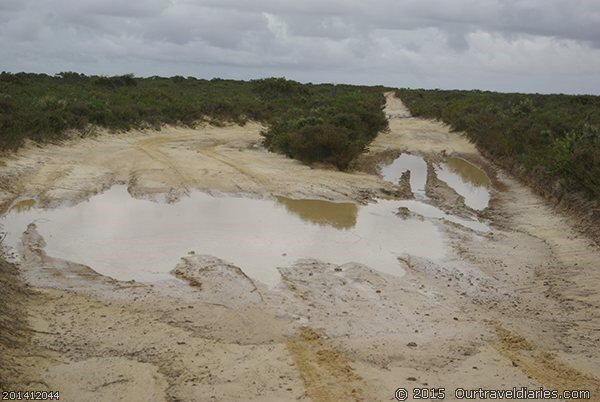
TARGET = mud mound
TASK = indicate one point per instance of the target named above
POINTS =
(406, 213)
(467, 281)
(444, 195)
(47, 271)
(349, 298)
(218, 281)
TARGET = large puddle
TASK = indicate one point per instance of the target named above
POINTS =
(128, 238)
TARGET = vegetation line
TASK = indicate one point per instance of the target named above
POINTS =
(323, 123)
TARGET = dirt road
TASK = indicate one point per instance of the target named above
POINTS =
(518, 306)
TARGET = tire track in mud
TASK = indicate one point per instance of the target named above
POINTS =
(327, 374)
(44, 185)
(209, 152)
(545, 367)
(150, 148)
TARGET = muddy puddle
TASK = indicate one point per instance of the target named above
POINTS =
(418, 172)
(341, 215)
(467, 180)
(23, 205)
(429, 211)
(127, 238)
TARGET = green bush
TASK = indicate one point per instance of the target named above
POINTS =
(331, 127)
(117, 81)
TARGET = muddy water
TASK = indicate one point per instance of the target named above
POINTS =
(23, 205)
(128, 238)
(467, 180)
(429, 211)
(418, 172)
(340, 215)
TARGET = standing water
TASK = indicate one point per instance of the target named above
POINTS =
(127, 238)
(467, 180)
(418, 172)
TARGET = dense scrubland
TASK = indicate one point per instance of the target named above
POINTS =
(313, 123)
(552, 140)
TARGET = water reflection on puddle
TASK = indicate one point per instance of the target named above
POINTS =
(23, 205)
(467, 180)
(469, 172)
(340, 215)
(418, 172)
(127, 238)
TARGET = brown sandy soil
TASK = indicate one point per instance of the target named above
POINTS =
(518, 306)
(168, 163)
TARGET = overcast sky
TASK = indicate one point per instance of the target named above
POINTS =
(506, 45)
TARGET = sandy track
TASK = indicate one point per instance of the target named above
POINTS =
(169, 163)
(516, 307)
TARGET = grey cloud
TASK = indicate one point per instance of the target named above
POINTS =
(218, 27)
(119, 8)
(542, 45)
(574, 19)
(12, 5)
